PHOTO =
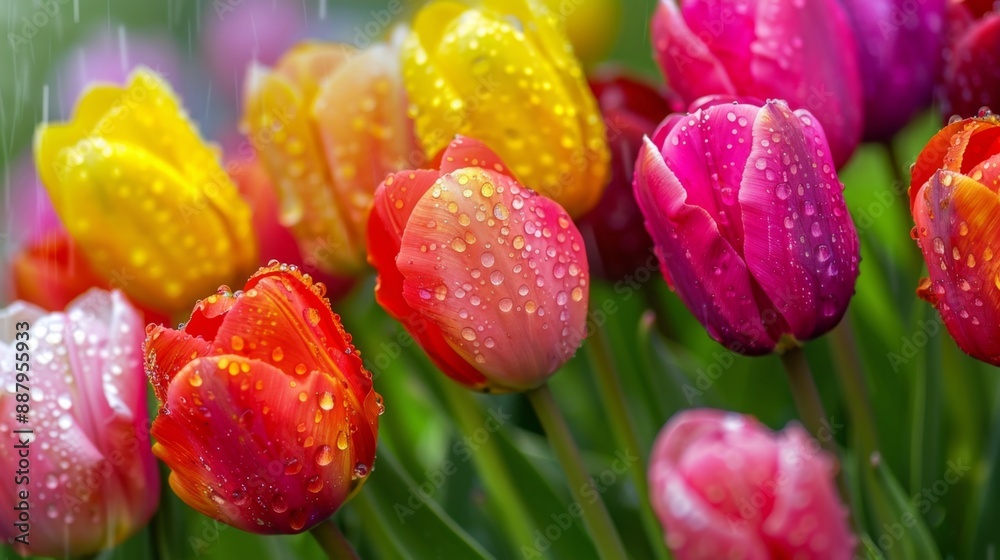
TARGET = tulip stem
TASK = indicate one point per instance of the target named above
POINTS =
(332, 541)
(848, 366)
(504, 493)
(595, 515)
(616, 405)
(805, 394)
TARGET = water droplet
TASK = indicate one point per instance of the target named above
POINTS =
(326, 401)
(277, 354)
(783, 190)
(195, 380)
(761, 164)
(314, 484)
(312, 315)
(297, 520)
(293, 467)
(823, 253)
(938, 245)
(459, 245)
(237, 342)
(324, 455)
(518, 242)
(816, 230)
(500, 211)
(300, 369)
(342, 440)
(505, 304)
(577, 294)
(496, 278)
(487, 190)
(278, 504)
(468, 334)
(487, 259)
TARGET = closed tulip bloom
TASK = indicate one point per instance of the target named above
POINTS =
(268, 420)
(748, 216)
(143, 196)
(328, 123)
(617, 242)
(488, 276)
(899, 49)
(803, 52)
(463, 66)
(953, 197)
(93, 481)
(972, 67)
(725, 486)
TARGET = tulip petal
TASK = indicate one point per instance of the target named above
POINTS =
(296, 163)
(264, 421)
(680, 52)
(800, 244)
(961, 218)
(814, 528)
(971, 77)
(933, 157)
(361, 117)
(791, 38)
(52, 271)
(394, 202)
(479, 260)
(167, 352)
(282, 319)
(701, 262)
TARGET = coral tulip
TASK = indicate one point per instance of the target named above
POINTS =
(328, 123)
(725, 486)
(766, 49)
(92, 480)
(130, 157)
(953, 198)
(489, 277)
(750, 224)
(268, 419)
(503, 72)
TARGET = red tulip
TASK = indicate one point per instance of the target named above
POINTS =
(972, 67)
(488, 276)
(953, 198)
(268, 419)
(617, 242)
(750, 224)
(803, 52)
(90, 479)
(725, 486)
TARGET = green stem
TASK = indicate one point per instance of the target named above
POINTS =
(595, 515)
(805, 394)
(848, 365)
(504, 492)
(332, 541)
(616, 406)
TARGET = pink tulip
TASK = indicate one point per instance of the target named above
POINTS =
(748, 216)
(93, 480)
(803, 52)
(725, 486)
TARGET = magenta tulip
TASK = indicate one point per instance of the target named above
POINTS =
(748, 216)
(93, 480)
(804, 52)
(725, 486)
(899, 49)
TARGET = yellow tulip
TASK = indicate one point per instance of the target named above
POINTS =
(504, 73)
(143, 195)
(328, 123)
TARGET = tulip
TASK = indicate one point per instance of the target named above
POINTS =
(972, 67)
(617, 241)
(329, 123)
(93, 481)
(489, 277)
(268, 420)
(725, 486)
(130, 157)
(766, 49)
(953, 198)
(899, 48)
(750, 224)
(463, 66)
